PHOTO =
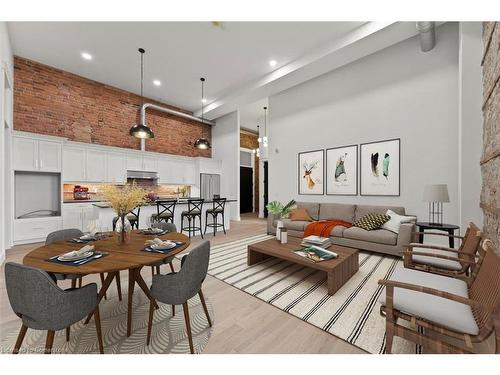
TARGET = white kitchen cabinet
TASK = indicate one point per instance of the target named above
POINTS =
(73, 164)
(116, 168)
(78, 215)
(147, 163)
(31, 154)
(209, 165)
(188, 174)
(134, 163)
(49, 156)
(95, 166)
(165, 171)
(35, 229)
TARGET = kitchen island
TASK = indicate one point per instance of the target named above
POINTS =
(104, 214)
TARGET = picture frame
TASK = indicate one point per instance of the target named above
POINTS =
(311, 172)
(380, 168)
(342, 170)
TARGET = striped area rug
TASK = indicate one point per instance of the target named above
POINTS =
(351, 314)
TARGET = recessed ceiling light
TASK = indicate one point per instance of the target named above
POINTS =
(272, 62)
(157, 82)
(86, 56)
(203, 100)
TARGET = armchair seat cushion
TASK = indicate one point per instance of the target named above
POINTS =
(448, 264)
(450, 314)
(378, 235)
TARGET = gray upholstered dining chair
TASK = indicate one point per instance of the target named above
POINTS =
(42, 305)
(68, 234)
(169, 227)
(178, 288)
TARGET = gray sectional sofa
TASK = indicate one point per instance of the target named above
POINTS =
(379, 240)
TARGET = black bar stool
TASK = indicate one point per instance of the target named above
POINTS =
(164, 211)
(132, 217)
(194, 211)
(218, 205)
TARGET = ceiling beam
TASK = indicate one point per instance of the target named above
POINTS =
(363, 41)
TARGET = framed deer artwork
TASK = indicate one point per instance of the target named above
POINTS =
(342, 170)
(311, 172)
(380, 168)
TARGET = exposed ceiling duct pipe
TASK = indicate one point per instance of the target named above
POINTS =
(145, 106)
(427, 31)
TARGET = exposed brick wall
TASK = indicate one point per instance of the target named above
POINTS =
(250, 141)
(54, 102)
(490, 161)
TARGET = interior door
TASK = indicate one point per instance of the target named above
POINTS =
(266, 189)
(246, 189)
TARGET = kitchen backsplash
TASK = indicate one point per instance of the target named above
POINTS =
(162, 191)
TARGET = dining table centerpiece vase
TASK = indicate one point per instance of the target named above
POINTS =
(123, 199)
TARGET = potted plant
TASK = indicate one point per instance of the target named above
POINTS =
(280, 211)
(123, 200)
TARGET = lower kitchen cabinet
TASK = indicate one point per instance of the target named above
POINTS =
(35, 229)
(79, 216)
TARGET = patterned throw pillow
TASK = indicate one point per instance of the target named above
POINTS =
(371, 221)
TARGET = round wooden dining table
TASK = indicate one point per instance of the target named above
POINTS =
(118, 257)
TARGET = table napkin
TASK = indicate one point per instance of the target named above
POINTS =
(157, 241)
(82, 251)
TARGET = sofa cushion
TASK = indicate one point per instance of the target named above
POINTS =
(371, 221)
(336, 211)
(338, 231)
(363, 209)
(396, 220)
(300, 214)
(378, 235)
(437, 262)
(293, 225)
(448, 313)
(312, 208)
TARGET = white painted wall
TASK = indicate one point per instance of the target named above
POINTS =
(226, 147)
(398, 92)
(6, 108)
(470, 122)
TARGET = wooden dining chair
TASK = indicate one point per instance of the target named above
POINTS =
(443, 260)
(448, 309)
(178, 288)
(68, 234)
(42, 305)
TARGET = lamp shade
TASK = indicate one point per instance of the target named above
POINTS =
(141, 131)
(202, 144)
(436, 193)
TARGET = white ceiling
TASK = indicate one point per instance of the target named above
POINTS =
(177, 53)
(252, 114)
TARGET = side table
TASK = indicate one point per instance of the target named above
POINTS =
(449, 228)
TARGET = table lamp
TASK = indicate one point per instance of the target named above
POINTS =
(436, 195)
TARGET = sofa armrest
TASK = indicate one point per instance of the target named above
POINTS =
(271, 229)
(405, 235)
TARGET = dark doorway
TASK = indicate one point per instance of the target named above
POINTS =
(246, 190)
(266, 199)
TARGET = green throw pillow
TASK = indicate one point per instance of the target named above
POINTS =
(371, 221)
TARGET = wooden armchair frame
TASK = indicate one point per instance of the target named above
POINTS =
(466, 254)
(484, 299)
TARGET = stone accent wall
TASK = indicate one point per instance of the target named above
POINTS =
(248, 140)
(490, 160)
(54, 102)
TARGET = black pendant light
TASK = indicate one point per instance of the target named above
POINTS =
(202, 143)
(141, 130)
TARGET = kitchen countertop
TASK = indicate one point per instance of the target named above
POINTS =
(102, 204)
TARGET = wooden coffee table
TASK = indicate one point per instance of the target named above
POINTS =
(338, 270)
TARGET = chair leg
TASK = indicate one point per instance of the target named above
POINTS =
(189, 226)
(49, 342)
(97, 319)
(102, 283)
(119, 286)
(201, 233)
(214, 222)
(157, 270)
(223, 225)
(389, 336)
(152, 271)
(68, 330)
(206, 222)
(20, 339)
(172, 267)
(150, 321)
(173, 310)
(80, 281)
(188, 326)
(202, 298)
(73, 283)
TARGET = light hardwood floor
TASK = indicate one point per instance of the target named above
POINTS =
(242, 323)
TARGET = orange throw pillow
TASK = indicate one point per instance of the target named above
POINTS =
(300, 214)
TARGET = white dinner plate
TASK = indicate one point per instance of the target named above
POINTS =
(164, 246)
(66, 258)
